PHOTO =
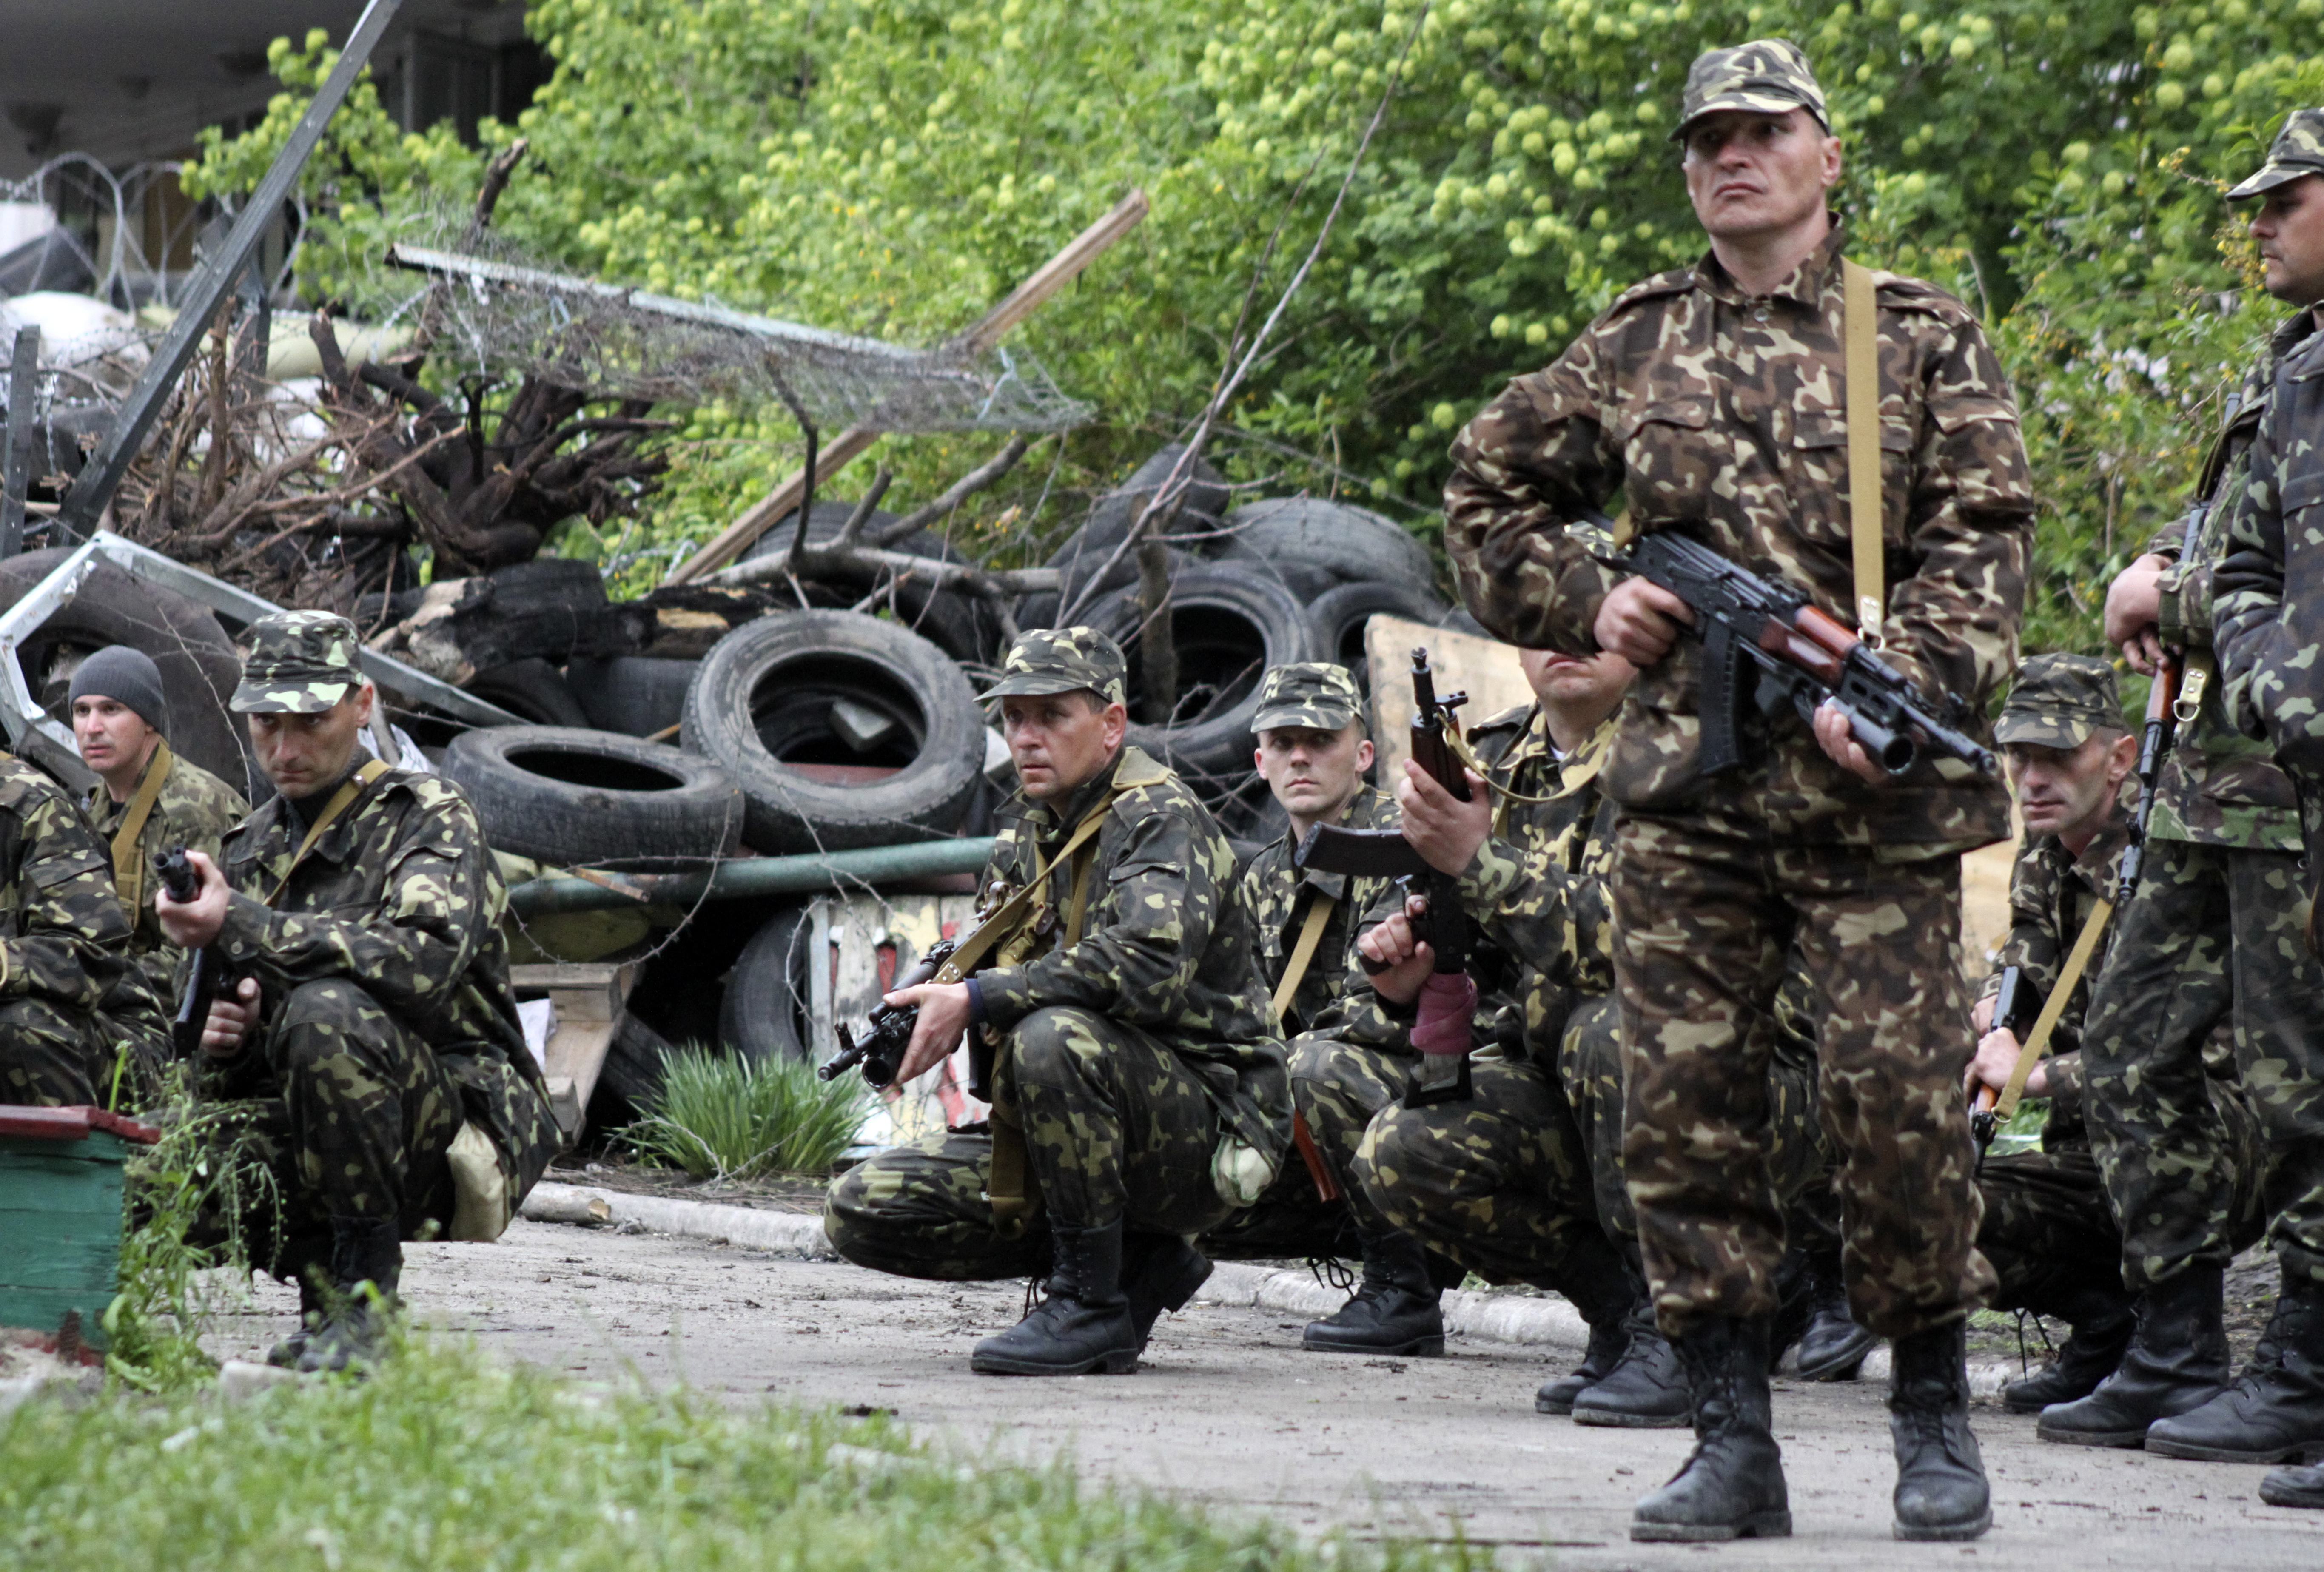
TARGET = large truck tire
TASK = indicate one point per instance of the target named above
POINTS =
(764, 1013)
(592, 799)
(843, 730)
(1352, 544)
(635, 694)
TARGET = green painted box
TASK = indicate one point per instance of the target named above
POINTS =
(61, 1189)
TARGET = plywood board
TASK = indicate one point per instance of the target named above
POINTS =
(1485, 669)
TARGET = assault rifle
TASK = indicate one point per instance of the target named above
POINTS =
(2015, 1007)
(207, 974)
(1442, 1077)
(887, 1030)
(2154, 746)
(1803, 654)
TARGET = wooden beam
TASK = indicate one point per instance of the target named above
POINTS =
(1026, 298)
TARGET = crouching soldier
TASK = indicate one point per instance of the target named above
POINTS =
(61, 937)
(370, 1056)
(147, 801)
(1138, 1086)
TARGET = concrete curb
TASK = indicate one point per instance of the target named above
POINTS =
(1495, 1318)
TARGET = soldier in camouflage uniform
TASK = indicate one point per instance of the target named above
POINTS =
(370, 1057)
(1138, 1089)
(147, 801)
(62, 947)
(2267, 590)
(1313, 755)
(1712, 398)
(1497, 1182)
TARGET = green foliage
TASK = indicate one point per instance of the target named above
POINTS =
(894, 168)
(440, 1462)
(717, 1116)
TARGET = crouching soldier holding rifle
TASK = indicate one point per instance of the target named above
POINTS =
(1137, 1083)
(369, 1052)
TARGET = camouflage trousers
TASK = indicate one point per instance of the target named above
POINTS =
(1338, 1088)
(1705, 927)
(344, 1113)
(47, 1056)
(1116, 1125)
(1497, 1182)
(2213, 934)
(1291, 1221)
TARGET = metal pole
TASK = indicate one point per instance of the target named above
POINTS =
(751, 876)
(85, 502)
(17, 478)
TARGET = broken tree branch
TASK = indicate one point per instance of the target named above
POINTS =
(960, 491)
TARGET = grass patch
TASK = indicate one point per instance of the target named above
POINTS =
(719, 1117)
(443, 1462)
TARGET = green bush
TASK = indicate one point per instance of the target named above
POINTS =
(717, 1116)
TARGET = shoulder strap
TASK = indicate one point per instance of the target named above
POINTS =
(970, 953)
(2037, 1041)
(1302, 952)
(341, 801)
(128, 867)
(1862, 330)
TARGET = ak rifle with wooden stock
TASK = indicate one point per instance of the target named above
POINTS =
(205, 973)
(2154, 740)
(1801, 653)
(1444, 928)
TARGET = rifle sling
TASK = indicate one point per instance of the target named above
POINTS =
(1862, 332)
(1302, 952)
(2037, 1041)
(128, 866)
(341, 801)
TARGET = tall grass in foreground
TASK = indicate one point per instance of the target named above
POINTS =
(719, 1117)
(445, 1462)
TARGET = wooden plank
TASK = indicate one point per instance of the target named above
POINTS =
(564, 974)
(852, 443)
(1485, 669)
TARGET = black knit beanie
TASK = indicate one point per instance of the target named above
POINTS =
(127, 677)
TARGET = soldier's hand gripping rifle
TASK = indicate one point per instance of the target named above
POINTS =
(1799, 654)
(206, 976)
(887, 1030)
(2015, 1007)
(1442, 1030)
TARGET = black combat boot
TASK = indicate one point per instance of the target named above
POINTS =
(2101, 1319)
(1647, 1389)
(2293, 1487)
(2274, 1411)
(1084, 1326)
(359, 1302)
(1597, 1281)
(1395, 1308)
(1160, 1272)
(1732, 1486)
(1940, 1490)
(1833, 1347)
(2177, 1361)
(285, 1355)
(1607, 1341)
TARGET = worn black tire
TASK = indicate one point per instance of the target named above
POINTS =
(534, 690)
(1085, 551)
(1231, 626)
(764, 1013)
(1352, 544)
(593, 798)
(1341, 614)
(962, 626)
(200, 668)
(760, 706)
(1304, 579)
(635, 694)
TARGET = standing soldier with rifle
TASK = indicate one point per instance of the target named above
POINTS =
(2213, 934)
(1850, 437)
(1122, 1037)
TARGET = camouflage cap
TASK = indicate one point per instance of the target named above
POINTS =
(300, 662)
(1320, 694)
(2059, 701)
(2297, 150)
(1765, 76)
(1064, 660)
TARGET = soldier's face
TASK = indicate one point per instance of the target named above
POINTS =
(2290, 229)
(1750, 174)
(1060, 741)
(1314, 773)
(1574, 682)
(113, 737)
(303, 753)
(2070, 790)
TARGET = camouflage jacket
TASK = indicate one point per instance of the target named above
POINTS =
(2050, 894)
(65, 938)
(1722, 415)
(2219, 787)
(195, 809)
(1268, 890)
(400, 897)
(2271, 585)
(1539, 911)
(1164, 948)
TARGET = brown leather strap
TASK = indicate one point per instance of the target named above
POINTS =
(970, 953)
(341, 801)
(1861, 333)
(128, 866)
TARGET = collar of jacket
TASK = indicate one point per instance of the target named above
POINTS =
(1803, 285)
(1582, 764)
(1131, 767)
(2100, 863)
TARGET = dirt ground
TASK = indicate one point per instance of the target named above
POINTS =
(1227, 1412)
